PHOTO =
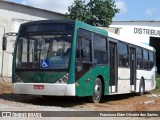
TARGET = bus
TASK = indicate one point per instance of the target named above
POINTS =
(72, 58)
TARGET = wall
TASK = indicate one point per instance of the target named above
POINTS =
(139, 31)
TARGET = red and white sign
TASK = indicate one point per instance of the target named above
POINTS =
(38, 87)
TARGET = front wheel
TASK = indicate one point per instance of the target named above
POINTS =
(96, 97)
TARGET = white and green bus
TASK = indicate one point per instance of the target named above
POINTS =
(71, 58)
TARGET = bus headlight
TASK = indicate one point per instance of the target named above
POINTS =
(64, 79)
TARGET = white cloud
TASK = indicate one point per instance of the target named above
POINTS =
(54, 5)
(61, 6)
(121, 5)
(150, 11)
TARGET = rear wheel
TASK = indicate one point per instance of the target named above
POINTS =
(141, 87)
(96, 97)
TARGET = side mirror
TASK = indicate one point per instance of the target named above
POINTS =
(4, 43)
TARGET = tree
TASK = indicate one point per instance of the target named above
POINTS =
(77, 11)
(95, 12)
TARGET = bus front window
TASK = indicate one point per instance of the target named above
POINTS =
(44, 51)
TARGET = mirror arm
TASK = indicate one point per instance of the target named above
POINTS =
(4, 39)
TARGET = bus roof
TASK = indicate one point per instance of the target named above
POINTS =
(46, 22)
(78, 25)
(120, 38)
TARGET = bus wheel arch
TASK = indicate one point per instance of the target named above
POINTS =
(98, 90)
(141, 86)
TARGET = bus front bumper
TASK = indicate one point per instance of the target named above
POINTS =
(44, 89)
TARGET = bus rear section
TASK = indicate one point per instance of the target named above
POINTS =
(132, 66)
(42, 58)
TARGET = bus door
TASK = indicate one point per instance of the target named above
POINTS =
(113, 67)
(84, 53)
(133, 68)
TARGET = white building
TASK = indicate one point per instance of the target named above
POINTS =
(147, 32)
(11, 16)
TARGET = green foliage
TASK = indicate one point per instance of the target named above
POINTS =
(158, 83)
(96, 12)
(77, 11)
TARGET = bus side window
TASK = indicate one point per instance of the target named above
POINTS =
(83, 52)
(139, 58)
(100, 50)
(123, 55)
(151, 59)
(86, 50)
(146, 59)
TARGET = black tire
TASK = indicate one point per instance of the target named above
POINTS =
(96, 97)
(47, 97)
(141, 87)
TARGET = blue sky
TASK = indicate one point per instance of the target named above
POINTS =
(129, 9)
(139, 10)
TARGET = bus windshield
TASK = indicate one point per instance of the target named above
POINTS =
(46, 51)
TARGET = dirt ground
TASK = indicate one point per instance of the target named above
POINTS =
(127, 102)
(5, 87)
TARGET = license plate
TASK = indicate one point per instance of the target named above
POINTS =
(38, 87)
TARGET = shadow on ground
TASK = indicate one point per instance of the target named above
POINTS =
(60, 101)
